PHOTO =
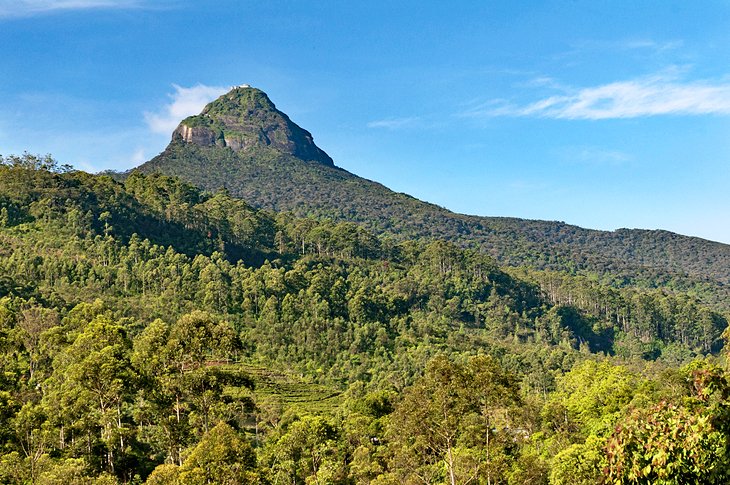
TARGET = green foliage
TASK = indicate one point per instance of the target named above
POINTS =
(580, 463)
(676, 443)
(594, 395)
(668, 444)
(76, 471)
(453, 424)
(221, 457)
(150, 331)
(305, 451)
(164, 474)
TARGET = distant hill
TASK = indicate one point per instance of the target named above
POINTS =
(242, 143)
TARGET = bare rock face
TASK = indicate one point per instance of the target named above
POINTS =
(236, 144)
(244, 119)
(198, 135)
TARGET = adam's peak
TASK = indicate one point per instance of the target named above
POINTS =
(245, 119)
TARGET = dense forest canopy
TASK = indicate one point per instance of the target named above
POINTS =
(153, 332)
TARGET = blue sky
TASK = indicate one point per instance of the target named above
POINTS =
(601, 114)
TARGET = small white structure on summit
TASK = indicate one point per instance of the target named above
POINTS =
(242, 86)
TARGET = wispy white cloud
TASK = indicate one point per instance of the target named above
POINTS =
(26, 8)
(648, 96)
(185, 102)
(394, 123)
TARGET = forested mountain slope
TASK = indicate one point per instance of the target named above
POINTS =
(242, 143)
(135, 319)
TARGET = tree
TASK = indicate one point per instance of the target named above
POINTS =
(493, 389)
(164, 474)
(74, 471)
(448, 421)
(305, 451)
(668, 445)
(222, 457)
(32, 322)
(93, 381)
(184, 378)
(579, 463)
(673, 444)
(591, 397)
(33, 438)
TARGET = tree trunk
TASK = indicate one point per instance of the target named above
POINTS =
(450, 462)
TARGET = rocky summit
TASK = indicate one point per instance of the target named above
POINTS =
(245, 119)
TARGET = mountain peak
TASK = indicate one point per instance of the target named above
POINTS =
(245, 119)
